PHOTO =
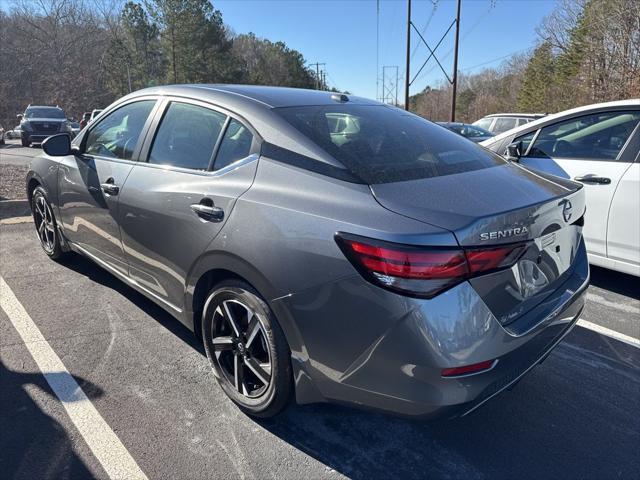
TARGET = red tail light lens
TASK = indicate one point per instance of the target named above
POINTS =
(468, 369)
(422, 271)
(487, 259)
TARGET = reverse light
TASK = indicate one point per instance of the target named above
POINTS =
(423, 271)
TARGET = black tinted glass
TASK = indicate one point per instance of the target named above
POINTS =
(382, 144)
(43, 112)
(236, 145)
(187, 136)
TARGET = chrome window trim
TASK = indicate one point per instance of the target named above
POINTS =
(203, 173)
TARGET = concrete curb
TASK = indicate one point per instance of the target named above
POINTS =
(14, 208)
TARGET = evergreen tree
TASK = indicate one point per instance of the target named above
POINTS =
(537, 84)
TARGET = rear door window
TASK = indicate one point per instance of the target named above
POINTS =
(380, 144)
(504, 123)
(599, 136)
(187, 136)
(235, 145)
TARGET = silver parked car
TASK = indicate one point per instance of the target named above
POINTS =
(501, 122)
(320, 244)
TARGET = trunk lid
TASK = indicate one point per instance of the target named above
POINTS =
(501, 205)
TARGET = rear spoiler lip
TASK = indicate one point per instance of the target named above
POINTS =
(469, 236)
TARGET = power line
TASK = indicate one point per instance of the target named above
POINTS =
(432, 54)
(424, 29)
(464, 36)
(495, 59)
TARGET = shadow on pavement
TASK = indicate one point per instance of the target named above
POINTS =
(89, 269)
(32, 443)
(575, 416)
(617, 282)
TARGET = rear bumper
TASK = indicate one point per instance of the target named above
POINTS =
(354, 343)
(34, 137)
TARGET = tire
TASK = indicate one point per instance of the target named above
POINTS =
(46, 225)
(251, 360)
(25, 143)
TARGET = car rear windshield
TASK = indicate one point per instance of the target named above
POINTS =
(44, 112)
(380, 144)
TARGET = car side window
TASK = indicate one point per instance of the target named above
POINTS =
(526, 140)
(503, 124)
(187, 136)
(117, 134)
(599, 136)
(484, 123)
(236, 144)
(472, 132)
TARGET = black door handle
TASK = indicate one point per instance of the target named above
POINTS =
(208, 211)
(109, 187)
(593, 179)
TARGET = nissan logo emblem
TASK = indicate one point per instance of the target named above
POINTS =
(566, 210)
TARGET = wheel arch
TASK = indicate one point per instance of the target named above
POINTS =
(33, 181)
(212, 268)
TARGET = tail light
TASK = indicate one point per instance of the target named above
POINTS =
(423, 271)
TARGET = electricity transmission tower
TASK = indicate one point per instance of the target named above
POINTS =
(390, 85)
(432, 54)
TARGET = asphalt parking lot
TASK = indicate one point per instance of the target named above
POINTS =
(574, 416)
(13, 153)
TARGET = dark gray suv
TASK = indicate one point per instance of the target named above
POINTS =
(322, 245)
(39, 122)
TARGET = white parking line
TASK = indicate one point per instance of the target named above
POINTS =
(15, 220)
(592, 297)
(610, 333)
(102, 441)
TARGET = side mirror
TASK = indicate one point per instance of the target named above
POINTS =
(57, 145)
(514, 151)
(19, 116)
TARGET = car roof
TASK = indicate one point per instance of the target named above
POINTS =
(634, 102)
(267, 96)
(515, 115)
(43, 106)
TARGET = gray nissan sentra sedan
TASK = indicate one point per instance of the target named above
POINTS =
(323, 246)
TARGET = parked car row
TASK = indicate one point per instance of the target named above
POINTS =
(501, 122)
(41, 121)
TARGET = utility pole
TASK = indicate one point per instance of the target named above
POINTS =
(377, 49)
(408, 68)
(318, 80)
(455, 66)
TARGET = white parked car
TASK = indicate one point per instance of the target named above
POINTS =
(599, 146)
(11, 134)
